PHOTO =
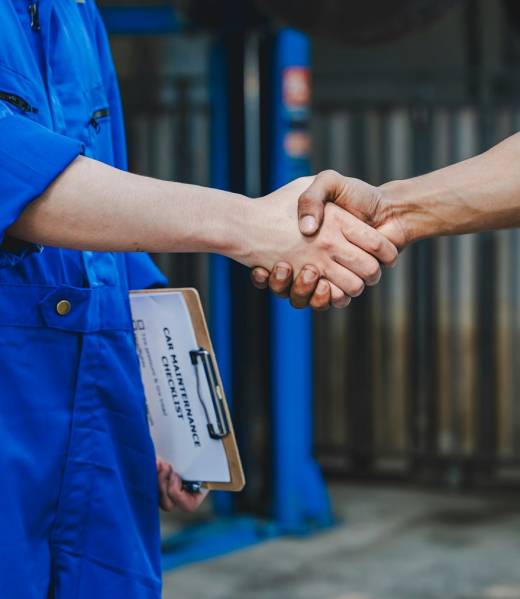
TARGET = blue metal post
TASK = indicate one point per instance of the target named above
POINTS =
(220, 268)
(300, 497)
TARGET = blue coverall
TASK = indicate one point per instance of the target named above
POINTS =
(78, 482)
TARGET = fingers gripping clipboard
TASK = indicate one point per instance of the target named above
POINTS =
(187, 410)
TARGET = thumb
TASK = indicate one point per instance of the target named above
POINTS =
(310, 212)
(311, 204)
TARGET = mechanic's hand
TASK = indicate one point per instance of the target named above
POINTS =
(171, 493)
(368, 203)
(345, 250)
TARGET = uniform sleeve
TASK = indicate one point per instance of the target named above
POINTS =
(31, 157)
(143, 273)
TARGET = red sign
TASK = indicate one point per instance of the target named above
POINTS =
(297, 144)
(296, 87)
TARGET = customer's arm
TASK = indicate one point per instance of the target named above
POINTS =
(478, 194)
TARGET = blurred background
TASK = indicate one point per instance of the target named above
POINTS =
(385, 438)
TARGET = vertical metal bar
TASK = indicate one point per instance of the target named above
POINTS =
(398, 330)
(220, 271)
(504, 266)
(333, 326)
(464, 263)
(300, 496)
(360, 446)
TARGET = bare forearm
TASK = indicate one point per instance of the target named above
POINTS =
(96, 207)
(93, 206)
(478, 194)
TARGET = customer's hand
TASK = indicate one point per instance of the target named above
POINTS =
(345, 251)
(367, 203)
(171, 493)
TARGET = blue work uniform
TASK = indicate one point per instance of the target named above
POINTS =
(78, 499)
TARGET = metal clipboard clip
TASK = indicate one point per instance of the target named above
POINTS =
(221, 428)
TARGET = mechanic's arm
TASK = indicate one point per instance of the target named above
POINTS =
(96, 207)
(92, 206)
(478, 194)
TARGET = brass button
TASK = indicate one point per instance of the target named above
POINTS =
(63, 307)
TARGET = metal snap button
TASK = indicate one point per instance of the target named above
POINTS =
(63, 307)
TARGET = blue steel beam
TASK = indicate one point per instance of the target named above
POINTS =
(300, 501)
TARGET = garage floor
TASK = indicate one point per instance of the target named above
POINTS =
(392, 543)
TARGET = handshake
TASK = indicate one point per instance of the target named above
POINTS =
(321, 240)
(334, 232)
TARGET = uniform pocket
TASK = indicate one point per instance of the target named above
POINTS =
(96, 119)
(99, 124)
(18, 102)
(19, 95)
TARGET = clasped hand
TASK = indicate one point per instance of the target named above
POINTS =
(359, 232)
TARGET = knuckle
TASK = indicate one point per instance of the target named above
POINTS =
(329, 173)
(326, 242)
(343, 303)
(393, 254)
(374, 271)
(336, 294)
(357, 288)
(307, 199)
(375, 242)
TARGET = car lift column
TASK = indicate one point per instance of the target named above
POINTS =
(300, 499)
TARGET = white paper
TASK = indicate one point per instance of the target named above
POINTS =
(178, 425)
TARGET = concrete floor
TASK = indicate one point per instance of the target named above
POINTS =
(393, 543)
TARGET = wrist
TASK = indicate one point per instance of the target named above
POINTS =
(252, 233)
(237, 239)
(267, 230)
(201, 219)
(413, 209)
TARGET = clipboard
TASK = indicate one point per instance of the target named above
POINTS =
(218, 420)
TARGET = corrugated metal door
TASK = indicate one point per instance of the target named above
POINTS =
(421, 375)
